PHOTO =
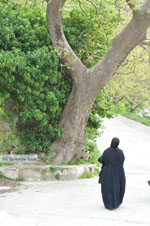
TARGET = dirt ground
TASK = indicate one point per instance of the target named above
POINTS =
(11, 184)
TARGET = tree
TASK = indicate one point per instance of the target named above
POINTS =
(88, 82)
(134, 85)
(34, 85)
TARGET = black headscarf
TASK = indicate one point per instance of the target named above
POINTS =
(115, 142)
(113, 154)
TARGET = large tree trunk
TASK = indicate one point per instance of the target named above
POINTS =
(88, 82)
(73, 121)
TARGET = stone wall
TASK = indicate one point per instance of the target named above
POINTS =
(41, 172)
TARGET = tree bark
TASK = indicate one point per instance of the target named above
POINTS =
(134, 105)
(73, 121)
(88, 82)
(116, 100)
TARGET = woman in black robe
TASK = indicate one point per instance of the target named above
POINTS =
(112, 176)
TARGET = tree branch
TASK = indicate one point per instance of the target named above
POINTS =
(131, 36)
(54, 22)
(94, 4)
(131, 5)
(80, 5)
(130, 101)
(145, 43)
(82, 34)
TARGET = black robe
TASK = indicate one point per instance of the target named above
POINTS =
(112, 176)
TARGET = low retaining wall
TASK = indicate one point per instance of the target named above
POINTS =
(39, 172)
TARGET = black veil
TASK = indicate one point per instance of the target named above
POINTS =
(113, 154)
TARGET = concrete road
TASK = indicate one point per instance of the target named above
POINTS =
(79, 203)
(134, 141)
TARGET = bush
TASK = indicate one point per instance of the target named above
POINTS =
(33, 84)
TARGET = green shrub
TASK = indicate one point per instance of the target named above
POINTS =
(2, 176)
(87, 174)
(134, 116)
(57, 176)
(22, 26)
(53, 169)
(33, 84)
(19, 179)
(6, 163)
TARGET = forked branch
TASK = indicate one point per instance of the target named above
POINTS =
(131, 36)
(145, 43)
(54, 21)
(131, 5)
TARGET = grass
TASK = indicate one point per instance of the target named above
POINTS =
(92, 148)
(144, 120)
(53, 169)
(89, 174)
(6, 163)
(19, 179)
(47, 160)
(124, 109)
(96, 171)
(2, 176)
(86, 174)
(57, 176)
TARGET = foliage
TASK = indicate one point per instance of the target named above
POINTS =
(136, 117)
(6, 163)
(22, 27)
(132, 79)
(92, 148)
(2, 176)
(103, 107)
(86, 174)
(19, 179)
(89, 31)
(96, 171)
(3, 98)
(57, 176)
(122, 107)
(32, 81)
(6, 142)
(53, 169)
(93, 151)
(47, 160)
(36, 90)
(103, 103)
(89, 174)
(37, 86)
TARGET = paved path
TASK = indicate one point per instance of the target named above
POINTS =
(79, 203)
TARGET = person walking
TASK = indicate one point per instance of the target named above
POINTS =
(112, 175)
